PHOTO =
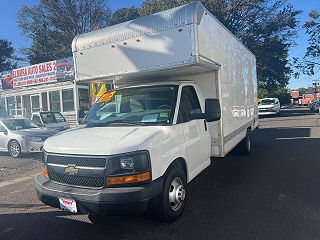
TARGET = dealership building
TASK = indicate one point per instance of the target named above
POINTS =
(46, 86)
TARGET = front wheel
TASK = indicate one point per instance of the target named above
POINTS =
(14, 149)
(170, 204)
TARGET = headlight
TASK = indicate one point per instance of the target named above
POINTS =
(128, 168)
(33, 139)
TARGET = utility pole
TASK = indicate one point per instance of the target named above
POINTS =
(315, 84)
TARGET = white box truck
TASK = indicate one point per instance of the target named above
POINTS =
(185, 91)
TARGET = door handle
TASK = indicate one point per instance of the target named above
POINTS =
(205, 125)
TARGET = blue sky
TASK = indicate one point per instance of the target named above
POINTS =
(10, 31)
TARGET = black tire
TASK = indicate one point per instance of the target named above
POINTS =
(96, 219)
(244, 147)
(167, 210)
(14, 149)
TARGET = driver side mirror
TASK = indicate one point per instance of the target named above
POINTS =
(212, 110)
(5, 131)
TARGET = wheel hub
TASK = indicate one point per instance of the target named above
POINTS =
(177, 194)
(14, 149)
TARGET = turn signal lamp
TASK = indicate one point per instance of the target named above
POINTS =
(142, 177)
(44, 171)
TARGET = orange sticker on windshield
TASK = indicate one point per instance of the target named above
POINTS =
(106, 97)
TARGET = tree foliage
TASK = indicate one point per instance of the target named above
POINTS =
(310, 63)
(266, 27)
(124, 14)
(7, 58)
(52, 25)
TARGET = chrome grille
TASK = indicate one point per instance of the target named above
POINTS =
(76, 160)
(95, 182)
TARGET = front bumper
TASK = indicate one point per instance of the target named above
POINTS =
(107, 201)
(30, 146)
(267, 113)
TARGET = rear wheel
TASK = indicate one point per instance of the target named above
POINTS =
(170, 204)
(244, 147)
(14, 149)
(96, 219)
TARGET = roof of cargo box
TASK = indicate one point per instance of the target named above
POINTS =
(172, 18)
(163, 43)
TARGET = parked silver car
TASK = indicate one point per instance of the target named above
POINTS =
(19, 135)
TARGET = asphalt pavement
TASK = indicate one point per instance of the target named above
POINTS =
(274, 193)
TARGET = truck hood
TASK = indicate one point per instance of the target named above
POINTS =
(100, 140)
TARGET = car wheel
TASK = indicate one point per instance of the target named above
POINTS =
(14, 149)
(244, 147)
(170, 204)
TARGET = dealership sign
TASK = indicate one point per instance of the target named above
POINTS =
(58, 70)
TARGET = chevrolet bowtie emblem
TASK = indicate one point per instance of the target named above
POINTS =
(71, 170)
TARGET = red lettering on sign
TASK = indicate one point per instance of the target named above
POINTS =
(67, 202)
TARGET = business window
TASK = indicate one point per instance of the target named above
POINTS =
(55, 101)
(68, 100)
(44, 101)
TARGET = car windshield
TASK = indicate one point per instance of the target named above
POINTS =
(266, 102)
(52, 117)
(148, 105)
(17, 124)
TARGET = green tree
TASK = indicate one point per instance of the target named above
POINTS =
(283, 94)
(266, 27)
(124, 14)
(7, 58)
(310, 63)
(52, 25)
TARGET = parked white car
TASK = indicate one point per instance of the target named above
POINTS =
(269, 106)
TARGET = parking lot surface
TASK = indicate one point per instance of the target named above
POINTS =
(273, 194)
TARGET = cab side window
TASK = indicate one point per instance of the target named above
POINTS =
(189, 104)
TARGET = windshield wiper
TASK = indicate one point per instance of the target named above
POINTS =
(116, 122)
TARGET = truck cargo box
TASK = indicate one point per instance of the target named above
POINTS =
(185, 43)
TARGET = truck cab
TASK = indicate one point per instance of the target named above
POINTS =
(134, 144)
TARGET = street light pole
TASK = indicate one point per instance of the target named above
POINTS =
(315, 83)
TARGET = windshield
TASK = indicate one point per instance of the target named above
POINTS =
(149, 105)
(17, 124)
(266, 102)
(52, 117)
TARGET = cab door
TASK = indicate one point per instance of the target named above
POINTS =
(196, 132)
